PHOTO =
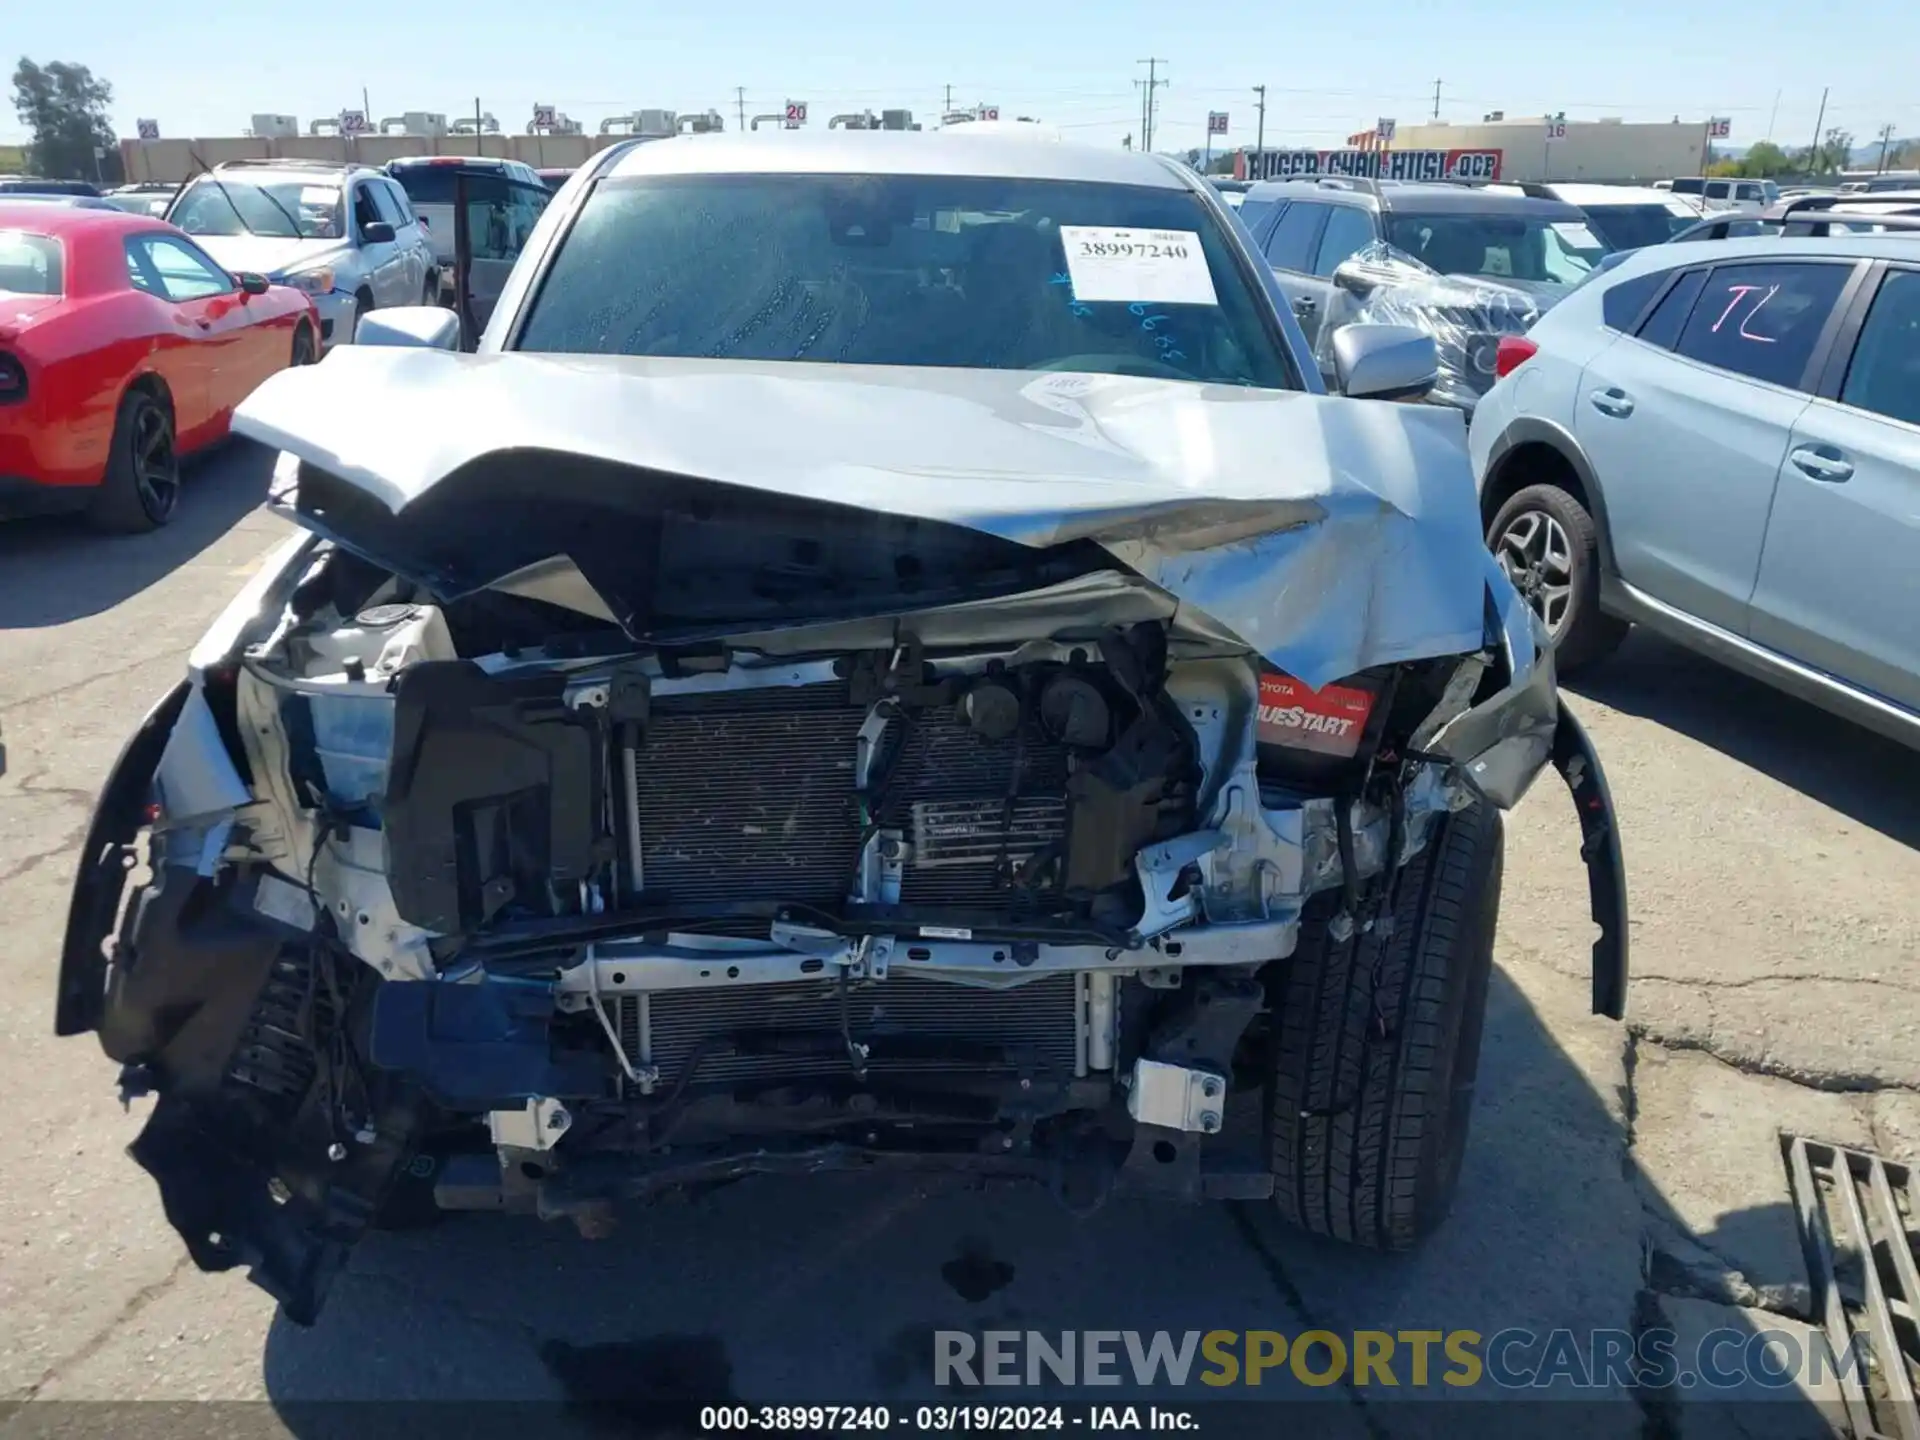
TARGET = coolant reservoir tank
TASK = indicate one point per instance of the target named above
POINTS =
(381, 641)
(349, 670)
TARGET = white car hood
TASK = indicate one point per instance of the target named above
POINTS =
(270, 254)
(1329, 534)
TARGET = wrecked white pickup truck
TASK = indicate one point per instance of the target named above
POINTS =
(887, 663)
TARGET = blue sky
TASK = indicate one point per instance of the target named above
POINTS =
(1330, 68)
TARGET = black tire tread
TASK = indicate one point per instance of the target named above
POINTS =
(1592, 635)
(1365, 1163)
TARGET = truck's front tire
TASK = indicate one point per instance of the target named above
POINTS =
(1376, 1043)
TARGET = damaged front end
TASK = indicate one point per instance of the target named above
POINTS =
(546, 895)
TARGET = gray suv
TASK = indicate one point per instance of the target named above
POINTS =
(1467, 264)
(345, 235)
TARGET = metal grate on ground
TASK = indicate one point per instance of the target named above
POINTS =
(1859, 1216)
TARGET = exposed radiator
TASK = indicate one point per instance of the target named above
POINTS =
(748, 794)
(1038, 1020)
(974, 810)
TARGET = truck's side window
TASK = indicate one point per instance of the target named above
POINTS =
(1884, 376)
(1290, 247)
(1349, 231)
(1621, 305)
(1664, 325)
(1253, 214)
(1763, 320)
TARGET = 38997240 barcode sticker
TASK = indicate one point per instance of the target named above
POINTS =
(1161, 267)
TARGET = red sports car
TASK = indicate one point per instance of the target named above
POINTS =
(123, 347)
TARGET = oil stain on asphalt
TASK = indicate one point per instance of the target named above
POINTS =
(974, 1274)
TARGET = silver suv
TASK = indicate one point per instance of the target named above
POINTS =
(1464, 263)
(344, 234)
(1720, 440)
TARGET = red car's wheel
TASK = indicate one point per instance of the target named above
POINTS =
(142, 485)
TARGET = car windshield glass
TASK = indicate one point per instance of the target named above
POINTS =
(261, 207)
(1500, 247)
(965, 271)
(29, 264)
(1628, 227)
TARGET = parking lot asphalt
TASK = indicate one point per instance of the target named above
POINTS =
(1615, 1172)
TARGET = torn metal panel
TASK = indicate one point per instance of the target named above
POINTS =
(1326, 535)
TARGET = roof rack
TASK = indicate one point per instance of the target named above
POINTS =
(1366, 184)
(290, 163)
(1809, 215)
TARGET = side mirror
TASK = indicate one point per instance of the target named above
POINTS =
(376, 232)
(250, 283)
(1385, 362)
(416, 327)
(1355, 279)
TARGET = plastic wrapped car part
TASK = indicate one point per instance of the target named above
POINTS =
(1466, 316)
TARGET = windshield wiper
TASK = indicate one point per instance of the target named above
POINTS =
(294, 233)
(209, 175)
(292, 220)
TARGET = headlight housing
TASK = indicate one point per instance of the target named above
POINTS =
(318, 281)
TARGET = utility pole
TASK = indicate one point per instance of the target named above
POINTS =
(1436, 100)
(947, 109)
(1260, 134)
(366, 108)
(740, 99)
(1813, 153)
(1153, 83)
(1774, 116)
(1886, 139)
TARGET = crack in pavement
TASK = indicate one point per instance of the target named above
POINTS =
(1778, 978)
(92, 678)
(1249, 1230)
(1832, 1082)
(129, 1311)
(20, 869)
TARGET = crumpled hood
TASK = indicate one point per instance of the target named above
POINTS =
(269, 254)
(1329, 534)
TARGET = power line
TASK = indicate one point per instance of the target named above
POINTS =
(1150, 99)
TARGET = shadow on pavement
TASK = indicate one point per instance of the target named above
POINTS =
(830, 1291)
(1861, 774)
(56, 569)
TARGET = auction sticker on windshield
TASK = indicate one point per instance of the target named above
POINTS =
(1163, 267)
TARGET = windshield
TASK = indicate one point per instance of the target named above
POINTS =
(302, 209)
(1500, 247)
(964, 271)
(29, 264)
(141, 204)
(1628, 227)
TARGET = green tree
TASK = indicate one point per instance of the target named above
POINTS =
(66, 109)
(1831, 155)
(1765, 160)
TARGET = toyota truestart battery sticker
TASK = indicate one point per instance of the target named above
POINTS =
(1329, 720)
(1163, 267)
